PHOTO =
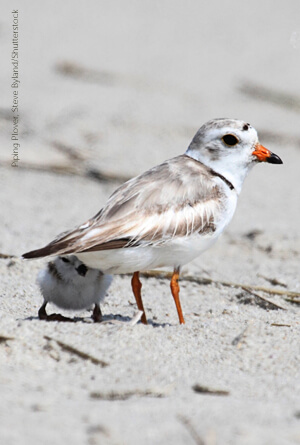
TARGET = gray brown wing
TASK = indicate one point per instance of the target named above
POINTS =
(174, 199)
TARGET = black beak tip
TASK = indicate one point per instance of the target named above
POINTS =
(274, 159)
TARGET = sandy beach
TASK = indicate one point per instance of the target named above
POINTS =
(107, 90)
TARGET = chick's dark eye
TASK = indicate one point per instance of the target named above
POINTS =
(230, 139)
(65, 260)
(82, 270)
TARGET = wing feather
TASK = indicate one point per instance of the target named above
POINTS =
(174, 199)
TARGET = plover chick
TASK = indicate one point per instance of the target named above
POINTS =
(70, 284)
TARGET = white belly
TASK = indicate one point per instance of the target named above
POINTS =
(175, 253)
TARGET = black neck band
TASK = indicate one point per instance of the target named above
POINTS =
(213, 172)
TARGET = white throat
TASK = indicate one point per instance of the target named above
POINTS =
(234, 172)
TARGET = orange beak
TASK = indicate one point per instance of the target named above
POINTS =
(265, 155)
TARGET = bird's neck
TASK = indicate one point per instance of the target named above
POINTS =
(234, 173)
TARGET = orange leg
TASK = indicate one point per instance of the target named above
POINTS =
(136, 288)
(175, 292)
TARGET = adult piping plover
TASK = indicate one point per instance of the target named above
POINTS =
(170, 214)
(70, 284)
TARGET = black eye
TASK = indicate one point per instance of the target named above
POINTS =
(230, 139)
(65, 260)
(82, 270)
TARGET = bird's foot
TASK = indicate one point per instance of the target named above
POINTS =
(52, 317)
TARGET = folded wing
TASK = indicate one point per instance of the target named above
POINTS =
(174, 199)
